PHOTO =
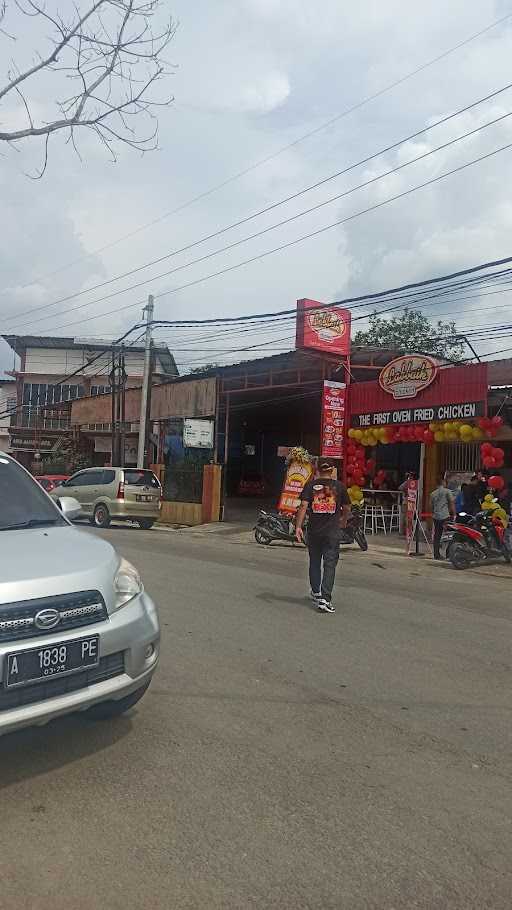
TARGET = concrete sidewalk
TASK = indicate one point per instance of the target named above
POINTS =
(387, 547)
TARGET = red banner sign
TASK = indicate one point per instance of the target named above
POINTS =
(323, 327)
(333, 418)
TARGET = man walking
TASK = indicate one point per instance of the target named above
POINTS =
(328, 504)
(442, 507)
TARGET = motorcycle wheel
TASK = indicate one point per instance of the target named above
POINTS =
(262, 537)
(361, 540)
(460, 556)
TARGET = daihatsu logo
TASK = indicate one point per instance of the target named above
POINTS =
(47, 619)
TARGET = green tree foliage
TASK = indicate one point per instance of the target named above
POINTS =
(412, 332)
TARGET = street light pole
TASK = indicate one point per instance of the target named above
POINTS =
(146, 392)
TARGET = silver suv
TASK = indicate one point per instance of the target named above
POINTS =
(122, 494)
(77, 630)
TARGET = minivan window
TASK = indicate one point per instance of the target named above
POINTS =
(109, 476)
(79, 480)
(23, 503)
(141, 479)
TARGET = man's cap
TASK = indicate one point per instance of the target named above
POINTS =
(325, 462)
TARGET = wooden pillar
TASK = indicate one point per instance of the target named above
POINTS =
(212, 479)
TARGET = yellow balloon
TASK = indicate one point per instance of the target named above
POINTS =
(447, 427)
(372, 440)
(476, 434)
(487, 505)
(488, 497)
(351, 433)
(358, 434)
(457, 424)
(466, 429)
(500, 513)
(439, 436)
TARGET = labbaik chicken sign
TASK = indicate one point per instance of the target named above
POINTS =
(323, 327)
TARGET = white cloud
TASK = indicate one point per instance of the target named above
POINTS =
(251, 78)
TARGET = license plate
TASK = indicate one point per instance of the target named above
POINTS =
(144, 498)
(39, 664)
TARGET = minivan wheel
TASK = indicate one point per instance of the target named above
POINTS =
(101, 517)
(108, 709)
(146, 524)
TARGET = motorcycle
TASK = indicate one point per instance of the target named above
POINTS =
(354, 530)
(272, 526)
(478, 541)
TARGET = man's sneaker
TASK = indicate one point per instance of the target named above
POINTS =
(315, 597)
(326, 606)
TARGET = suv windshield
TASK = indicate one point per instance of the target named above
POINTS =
(23, 504)
(141, 479)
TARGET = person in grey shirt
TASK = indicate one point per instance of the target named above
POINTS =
(441, 501)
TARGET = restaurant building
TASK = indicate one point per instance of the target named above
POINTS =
(243, 418)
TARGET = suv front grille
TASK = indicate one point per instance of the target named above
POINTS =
(18, 620)
(108, 668)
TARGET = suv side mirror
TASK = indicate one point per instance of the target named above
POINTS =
(69, 507)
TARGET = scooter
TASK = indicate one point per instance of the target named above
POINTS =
(271, 526)
(354, 530)
(478, 542)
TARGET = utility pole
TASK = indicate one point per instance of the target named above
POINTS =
(146, 390)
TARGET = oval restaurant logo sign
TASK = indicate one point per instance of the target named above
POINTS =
(327, 325)
(323, 327)
(405, 376)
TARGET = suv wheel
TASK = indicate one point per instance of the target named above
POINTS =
(101, 517)
(108, 709)
(146, 524)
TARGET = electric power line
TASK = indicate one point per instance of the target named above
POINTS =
(290, 198)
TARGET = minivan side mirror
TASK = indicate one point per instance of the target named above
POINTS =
(70, 507)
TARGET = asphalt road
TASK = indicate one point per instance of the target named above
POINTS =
(282, 758)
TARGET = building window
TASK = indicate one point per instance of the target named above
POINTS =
(38, 397)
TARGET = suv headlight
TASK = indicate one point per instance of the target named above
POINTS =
(127, 583)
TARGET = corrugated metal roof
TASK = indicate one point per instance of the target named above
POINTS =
(20, 343)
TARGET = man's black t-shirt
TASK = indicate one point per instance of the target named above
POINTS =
(325, 498)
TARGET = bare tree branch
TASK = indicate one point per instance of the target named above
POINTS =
(111, 56)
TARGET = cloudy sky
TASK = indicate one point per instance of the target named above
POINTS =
(250, 78)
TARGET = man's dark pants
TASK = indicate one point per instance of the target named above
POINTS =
(438, 531)
(324, 553)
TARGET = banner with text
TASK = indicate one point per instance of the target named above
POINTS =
(333, 418)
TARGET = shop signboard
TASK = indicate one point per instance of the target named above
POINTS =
(297, 476)
(29, 443)
(452, 393)
(198, 434)
(333, 418)
(323, 327)
(405, 376)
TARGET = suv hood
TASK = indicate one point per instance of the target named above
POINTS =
(42, 562)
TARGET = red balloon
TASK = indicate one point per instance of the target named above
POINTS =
(486, 448)
(411, 434)
(370, 464)
(418, 432)
(489, 462)
(428, 437)
(484, 423)
(492, 431)
(497, 421)
(498, 454)
(496, 482)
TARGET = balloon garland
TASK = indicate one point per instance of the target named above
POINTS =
(359, 468)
